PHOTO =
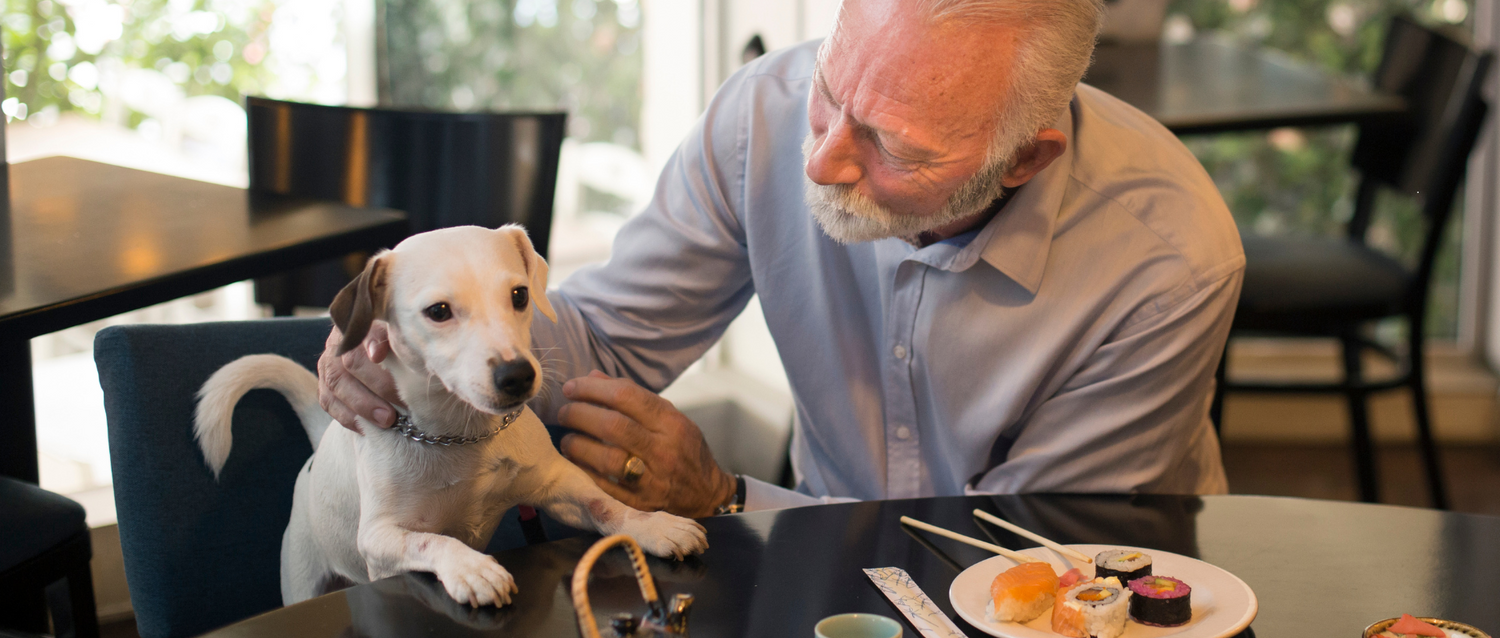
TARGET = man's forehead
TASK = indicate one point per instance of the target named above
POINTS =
(945, 72)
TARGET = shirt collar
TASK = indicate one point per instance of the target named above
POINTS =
(1017, 240)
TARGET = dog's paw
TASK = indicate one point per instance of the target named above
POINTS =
(477, 580)
(662, 534)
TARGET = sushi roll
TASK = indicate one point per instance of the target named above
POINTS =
(1022, 593)
(1124, 564)
(1097, 608)
(1160, 601)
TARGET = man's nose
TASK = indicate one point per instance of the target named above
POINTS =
(834, 158)
(514, 378)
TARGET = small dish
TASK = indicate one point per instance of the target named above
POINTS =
(857, 626)
(1447, 626)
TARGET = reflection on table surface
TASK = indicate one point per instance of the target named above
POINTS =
(84, 234)
(1210, 85)
(1317, 567)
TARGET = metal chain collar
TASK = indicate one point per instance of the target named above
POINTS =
(409, 430)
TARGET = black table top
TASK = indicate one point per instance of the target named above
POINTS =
(84, 240)
(1318, 568)
(1212, 85)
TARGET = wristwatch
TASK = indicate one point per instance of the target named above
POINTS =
(736, 503)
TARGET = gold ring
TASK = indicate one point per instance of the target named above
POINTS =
(634, 468)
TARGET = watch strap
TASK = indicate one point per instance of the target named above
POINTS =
(736, 503)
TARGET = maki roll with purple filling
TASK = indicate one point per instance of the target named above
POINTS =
(1160, 601)
(1124, 564)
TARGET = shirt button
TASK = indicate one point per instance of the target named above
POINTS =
(903, 432)
(900, 352)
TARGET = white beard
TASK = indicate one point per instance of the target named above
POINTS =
(848, 216)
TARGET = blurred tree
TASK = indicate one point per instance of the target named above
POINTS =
(124, 59)
(580, 55)
(1299, 180)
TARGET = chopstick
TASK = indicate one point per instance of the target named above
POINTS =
(1015, 556)
(1032, 535)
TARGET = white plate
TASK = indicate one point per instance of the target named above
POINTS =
(1223, 605)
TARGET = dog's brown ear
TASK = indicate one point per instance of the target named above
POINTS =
(536, 269)
(360, 303)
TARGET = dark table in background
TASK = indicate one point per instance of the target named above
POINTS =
(1212, 85)
(1318, 568)
(83, 241)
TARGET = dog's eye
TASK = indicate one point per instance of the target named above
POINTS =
(520, 297)
(438, 312)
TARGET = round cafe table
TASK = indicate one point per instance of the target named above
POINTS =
(1318, 568)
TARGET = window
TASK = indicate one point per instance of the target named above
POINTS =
(1298, 180)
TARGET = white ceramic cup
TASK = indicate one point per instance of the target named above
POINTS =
(857, 626)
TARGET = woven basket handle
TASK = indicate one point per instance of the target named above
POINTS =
(587, 626)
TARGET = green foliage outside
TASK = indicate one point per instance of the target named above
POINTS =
(1299, 180)
(66, 56)
(580, 55)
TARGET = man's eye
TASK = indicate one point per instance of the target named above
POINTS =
(519, 297)
(438, 312)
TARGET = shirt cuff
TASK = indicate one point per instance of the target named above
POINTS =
(760, 495)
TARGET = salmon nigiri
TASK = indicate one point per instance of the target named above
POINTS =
(1023, 592)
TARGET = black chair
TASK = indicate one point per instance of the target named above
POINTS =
(44, 563)
(442, 169)
(1337, 287)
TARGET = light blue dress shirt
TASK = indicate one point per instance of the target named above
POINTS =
(1067, 346)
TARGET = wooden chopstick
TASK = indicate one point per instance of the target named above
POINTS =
(1033, 536)
(1015, 556)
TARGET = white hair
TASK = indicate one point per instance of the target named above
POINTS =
(1055, 48)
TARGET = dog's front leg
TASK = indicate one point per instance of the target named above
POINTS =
(572, 498)
(471, 577)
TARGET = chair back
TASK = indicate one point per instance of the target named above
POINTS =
(1424, 153)
(442, 169)
(200, 553)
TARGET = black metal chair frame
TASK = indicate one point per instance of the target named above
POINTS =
(1402, 156)
(58, 582)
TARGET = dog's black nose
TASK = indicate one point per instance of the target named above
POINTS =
(514, 378)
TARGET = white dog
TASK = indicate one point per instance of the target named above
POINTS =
(427, 494)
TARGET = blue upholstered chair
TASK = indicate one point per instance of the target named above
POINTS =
(200, 554)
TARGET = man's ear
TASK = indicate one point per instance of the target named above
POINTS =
(360, 303)
(536, 269)
(1048, 145)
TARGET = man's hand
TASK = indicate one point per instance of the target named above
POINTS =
(619, 420)
(354, 384)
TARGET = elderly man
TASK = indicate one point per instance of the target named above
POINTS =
(981, 275)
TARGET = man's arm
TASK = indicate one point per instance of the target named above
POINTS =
(678, 272)
(1135, 418)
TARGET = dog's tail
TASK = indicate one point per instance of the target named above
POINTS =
(217, 398)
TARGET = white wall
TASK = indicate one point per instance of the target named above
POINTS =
(359, 45)
(1479, 297)
(672, 91)
(729, 24)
